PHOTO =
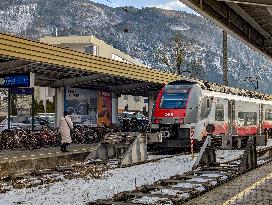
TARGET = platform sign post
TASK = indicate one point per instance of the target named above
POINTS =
(16, 81)
(25, 91)
(9, 106)
(32, 108)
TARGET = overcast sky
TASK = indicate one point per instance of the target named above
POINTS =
(164, 4)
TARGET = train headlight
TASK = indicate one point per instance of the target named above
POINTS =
(179, 121)
(156, 121)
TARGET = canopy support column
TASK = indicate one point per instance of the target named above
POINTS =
(59, 96)
(114, 116)
(151, 98)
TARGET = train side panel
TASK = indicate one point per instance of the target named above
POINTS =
(184, 110)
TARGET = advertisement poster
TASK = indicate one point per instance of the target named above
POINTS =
(104, 108)
(81, 105)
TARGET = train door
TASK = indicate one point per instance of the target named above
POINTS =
(231, 117)
(220, 116)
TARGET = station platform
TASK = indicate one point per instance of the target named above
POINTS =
(254, 187)
(16, 162)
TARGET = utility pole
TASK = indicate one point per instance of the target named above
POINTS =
(225, 57)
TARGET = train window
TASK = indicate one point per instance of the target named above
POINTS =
(205, 111)
(247, 118)
(268, 114)
(208, 102)
(241, 119)
(219, 112)
(174, 100)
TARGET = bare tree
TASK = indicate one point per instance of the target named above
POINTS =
(179, 57)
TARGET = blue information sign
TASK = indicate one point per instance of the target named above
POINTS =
(22, 91)
(14, 80)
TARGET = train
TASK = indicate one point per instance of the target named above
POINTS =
(184, 108)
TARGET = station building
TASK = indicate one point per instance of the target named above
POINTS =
(97, 47)
(92, 45)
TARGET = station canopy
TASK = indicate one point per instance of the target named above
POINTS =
(250, 20)
(57, 67)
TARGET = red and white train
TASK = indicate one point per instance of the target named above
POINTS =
(184, 108)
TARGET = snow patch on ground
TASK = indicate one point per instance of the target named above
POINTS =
(189, 185)
(149, 200)
(227, 155)
(151, 157)
(4, 202)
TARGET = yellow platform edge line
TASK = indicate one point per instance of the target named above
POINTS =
(247, 190)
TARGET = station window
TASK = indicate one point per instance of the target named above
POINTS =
(219, 112)
(205, 108)
(208, 102)
(91, 49)
(137, 99)
(125, 97)
(247, 118)
(268, 114)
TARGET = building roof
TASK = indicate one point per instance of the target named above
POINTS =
(55, 66)
(108, 50)
(105, 50)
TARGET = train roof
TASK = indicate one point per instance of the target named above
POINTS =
(236, 97)
(223, 89)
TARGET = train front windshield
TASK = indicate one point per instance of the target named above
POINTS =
(175, 96)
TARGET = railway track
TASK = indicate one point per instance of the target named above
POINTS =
(47, 176)
(181, 188)
(199, 181)
(86, 170)
(89, 169)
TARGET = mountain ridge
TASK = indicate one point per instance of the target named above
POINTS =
(137, 32)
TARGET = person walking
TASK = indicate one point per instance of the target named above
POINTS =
(66, 126)
(125, 124)
(134, 123)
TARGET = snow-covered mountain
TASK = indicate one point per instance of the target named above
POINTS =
(138, 32)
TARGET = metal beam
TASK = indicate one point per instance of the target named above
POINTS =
(12, 64)
(266, 3)
(77, 80)
(248, 19)
(128, 87)
(216, 11)
(269, 10)
(268, 43)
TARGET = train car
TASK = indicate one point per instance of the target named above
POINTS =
(184, 108)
